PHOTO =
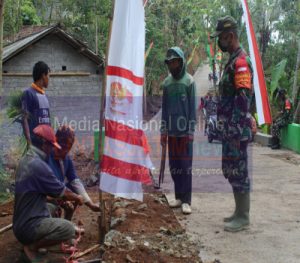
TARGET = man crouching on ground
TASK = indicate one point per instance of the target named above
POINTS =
(32, 224)
(64, 170)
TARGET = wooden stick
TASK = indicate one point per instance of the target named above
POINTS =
(102, 228)
(4, 229)
(214, 66)
(162, 165)
(110, 211)
(81, 254)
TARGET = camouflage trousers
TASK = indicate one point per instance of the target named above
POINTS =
(235, 164)
(277, 125)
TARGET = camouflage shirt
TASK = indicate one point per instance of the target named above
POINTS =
(236, 90)
(285, 113)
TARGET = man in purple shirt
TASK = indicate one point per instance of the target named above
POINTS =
(35, 104)
(32, 223)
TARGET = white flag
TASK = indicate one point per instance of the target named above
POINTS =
(126, 162)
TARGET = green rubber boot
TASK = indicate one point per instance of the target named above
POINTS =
(230, 218)
(241, 220)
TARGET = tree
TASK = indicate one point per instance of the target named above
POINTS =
(184, 23)
(29, 13)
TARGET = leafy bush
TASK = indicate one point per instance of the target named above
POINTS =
(15, 114)
(14, 110)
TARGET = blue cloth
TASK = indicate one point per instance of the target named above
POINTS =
(68, 166)
(34, 181)
(36, 105)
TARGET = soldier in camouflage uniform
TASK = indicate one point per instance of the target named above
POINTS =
(283, 119)
(234, 117)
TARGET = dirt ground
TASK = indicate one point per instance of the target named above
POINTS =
(140, 232)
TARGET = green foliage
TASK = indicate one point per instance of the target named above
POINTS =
(12, 17)
(183, 23)
(15, 114)
(80, 19)
(18, 13)
(14, 109)
(29, 13)
(277, 73)
(172, 23)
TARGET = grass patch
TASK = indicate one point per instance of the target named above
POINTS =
(5, 197)
(5, 180)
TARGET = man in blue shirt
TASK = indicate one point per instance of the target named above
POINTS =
(32, 223)
(35, 104)
(63, 168)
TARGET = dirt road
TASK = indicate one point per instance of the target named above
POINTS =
(274, 234)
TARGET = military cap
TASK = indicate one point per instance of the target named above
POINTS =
(226, 23)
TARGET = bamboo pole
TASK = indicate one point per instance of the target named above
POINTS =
(101, 219)
(214, 67)
(83, 253)
(4, 229)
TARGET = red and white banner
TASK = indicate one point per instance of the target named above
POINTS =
(260, 89)
(126, 162)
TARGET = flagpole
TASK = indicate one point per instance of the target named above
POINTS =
(102, 218)
(120, 174)
(145, 88)
(214, 67)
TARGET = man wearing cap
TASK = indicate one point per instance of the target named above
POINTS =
(178, 126)
(62, 166)
(35, 104)
(32, 224)
(235, 90)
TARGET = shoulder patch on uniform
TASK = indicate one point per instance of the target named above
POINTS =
(242, 73)
(287, 104)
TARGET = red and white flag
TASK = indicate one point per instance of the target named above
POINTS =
(126, 162)
(260, 89)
